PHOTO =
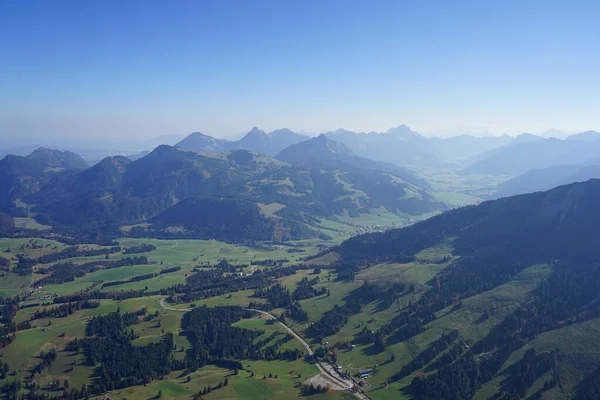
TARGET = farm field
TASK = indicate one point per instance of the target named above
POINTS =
(476, 317)
(55, 333)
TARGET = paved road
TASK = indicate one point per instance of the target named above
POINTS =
(338, 382)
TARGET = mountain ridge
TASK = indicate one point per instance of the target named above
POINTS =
(118, 191)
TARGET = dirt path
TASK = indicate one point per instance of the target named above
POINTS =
(327, 371)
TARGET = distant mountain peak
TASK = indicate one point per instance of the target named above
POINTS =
(58, 159)
(403, 132)
(282, 131)
(198, 141)
(342, 130)
(256, 131)
(585, 136)
(316, 148)
(255, 140)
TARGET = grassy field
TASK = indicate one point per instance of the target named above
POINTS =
(185, 254)
(458, 189)
(30, 223)
(575, 342)
(56, 333)
(241, 386)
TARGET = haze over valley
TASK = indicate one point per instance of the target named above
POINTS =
(321, 200)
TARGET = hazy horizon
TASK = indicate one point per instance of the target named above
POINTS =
(145, 143)
(137, 70)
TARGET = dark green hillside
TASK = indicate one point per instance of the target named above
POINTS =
(542, 226)
(227, 219)
(19, 177)
(108, 173)
(492, 244)
(7, 224)
(25, 176)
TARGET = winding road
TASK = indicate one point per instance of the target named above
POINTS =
(328, 372)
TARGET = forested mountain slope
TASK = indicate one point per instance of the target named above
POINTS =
(58, 159)
(504, 348)
(22, 176)
(97, 201)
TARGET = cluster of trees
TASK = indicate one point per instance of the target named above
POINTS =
(306, 290)
(68, 271)
(7, 224)
(214, 339)
(310, 390)
(5, 340)
(71, 252)
(456, 381)
(213, 282)
(270, 262)
(111, 324)
(212, 335)
(207, 389)
(8, 310)
(47, 360)
(277, 296)
(3, 369)
(169, 270)
(589, 387)
(108, 343)
(460, 380)
(297, 313)
(137, 278)
(334, 319)
(143, 248)
(123, 364)
(11, 389)
(426, 356)
(100, 295)
(566, 297)
(523, 374)
(64, 310)
(12, 328)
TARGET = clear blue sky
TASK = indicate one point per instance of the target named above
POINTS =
(147, 68)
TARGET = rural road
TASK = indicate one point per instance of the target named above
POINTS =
(328, 371)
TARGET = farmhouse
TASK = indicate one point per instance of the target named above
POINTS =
(365, 373)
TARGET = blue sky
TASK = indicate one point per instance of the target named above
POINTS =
(139, 69)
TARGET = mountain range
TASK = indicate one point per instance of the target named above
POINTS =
(399, 145)
(494, 155)
(534, 152)
(537, 180)
(255, 140)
